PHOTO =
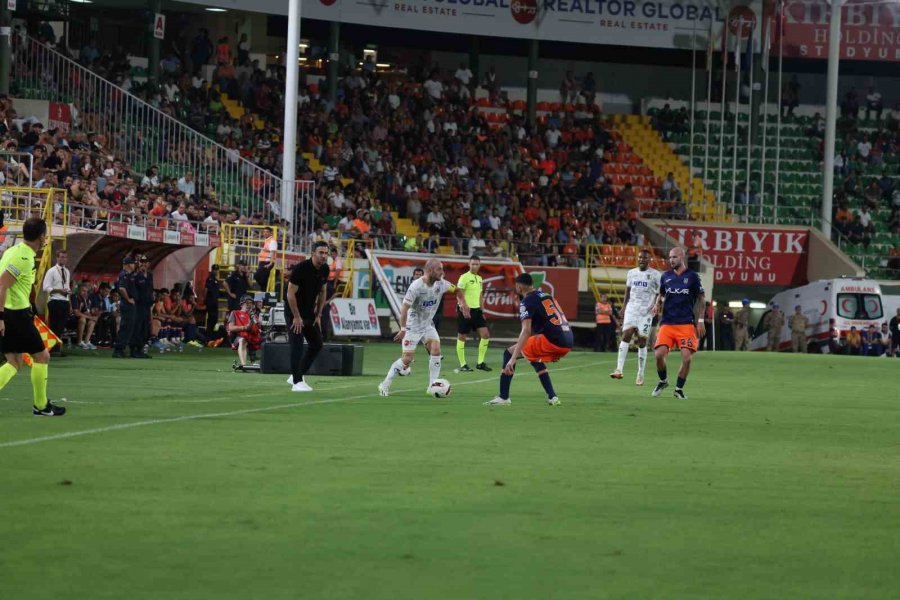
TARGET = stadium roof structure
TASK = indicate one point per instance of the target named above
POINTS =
(272, 7)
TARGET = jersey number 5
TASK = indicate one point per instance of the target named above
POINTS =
(553, 313)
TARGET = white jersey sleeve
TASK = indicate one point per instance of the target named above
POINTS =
(412, 292)
(423, 303)
(643, 288)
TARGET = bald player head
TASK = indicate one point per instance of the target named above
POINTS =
(676, 258)
(434, 271)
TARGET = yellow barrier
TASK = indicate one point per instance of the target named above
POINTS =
(245, 243)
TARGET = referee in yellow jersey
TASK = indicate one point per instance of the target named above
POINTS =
(18, 335)
(471, 289)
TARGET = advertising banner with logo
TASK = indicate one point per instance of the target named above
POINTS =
(869, 30)
(394, 271)
(354, 317)
(652, 24)
(152, 234)
(748, 255)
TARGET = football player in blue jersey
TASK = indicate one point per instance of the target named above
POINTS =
(545, 337)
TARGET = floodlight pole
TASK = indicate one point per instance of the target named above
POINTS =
(831, 86)
(291, 67)
(5, 46)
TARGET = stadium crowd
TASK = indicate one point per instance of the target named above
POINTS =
(417, 143)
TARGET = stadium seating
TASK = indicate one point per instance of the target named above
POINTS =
(799, 188)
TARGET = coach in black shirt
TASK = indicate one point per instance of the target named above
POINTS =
(306, 298)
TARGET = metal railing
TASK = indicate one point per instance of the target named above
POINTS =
(97, 218)
(141, 135)
(20, 204)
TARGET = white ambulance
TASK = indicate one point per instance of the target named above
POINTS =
(832, 307)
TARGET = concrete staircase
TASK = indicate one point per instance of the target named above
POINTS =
(236, 111)
(659, 156)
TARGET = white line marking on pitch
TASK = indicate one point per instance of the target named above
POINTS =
(247, 411)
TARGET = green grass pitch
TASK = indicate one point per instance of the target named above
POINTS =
(177, 479)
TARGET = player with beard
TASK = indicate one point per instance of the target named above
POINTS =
(681, 325)
(641, 292)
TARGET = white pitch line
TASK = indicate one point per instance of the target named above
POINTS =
(247, 411)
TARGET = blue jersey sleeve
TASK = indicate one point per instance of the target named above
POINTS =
(526, 308)
(697, 287)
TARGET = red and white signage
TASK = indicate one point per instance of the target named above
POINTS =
(395, 272)
(748, 255)
(354, 317)
(59, 116)
(869, 30)
(159, 26)
(162, 236)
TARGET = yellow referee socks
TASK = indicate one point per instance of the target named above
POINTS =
(461, 352)
(482, 349)
(7, 372)
(39, 384)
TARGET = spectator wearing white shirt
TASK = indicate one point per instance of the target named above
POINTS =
(865, 148)
(331, 171)
(865, 219)
(187, 186)
(393, 100)
(434, 87)
(58, 284)
(464, 76)
(345, 225)
(435, 217)
(151, 177)
(337, 199)
(477, 245)
(553, 135)
(179, 213)
(211, 223)
(494, 220)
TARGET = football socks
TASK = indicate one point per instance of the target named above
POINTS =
(394, 370)
(541, 370)
(623, 354)
(7, 372)
(39, 384)
(461, 352)
(482, 349)
(505, 380)
(434, 367)
(642, 360)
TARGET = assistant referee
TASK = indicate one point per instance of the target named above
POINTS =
(306, 298)
(19, 335)
(470, 292)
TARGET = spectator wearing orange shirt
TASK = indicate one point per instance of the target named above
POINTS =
(223, 50)
(361, 223)
(843, 218)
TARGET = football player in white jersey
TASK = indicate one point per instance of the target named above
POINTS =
(641, 292)
(421, 301)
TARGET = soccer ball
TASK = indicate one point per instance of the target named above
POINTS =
(404, 371)
(440, 388)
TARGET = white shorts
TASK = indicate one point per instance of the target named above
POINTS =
(412, 338)
(639, 321)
